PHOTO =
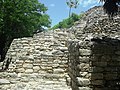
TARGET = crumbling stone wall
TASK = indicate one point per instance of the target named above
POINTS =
(95, 65)
(37, 63)
(46, 52)
(89, 52)
(79, 65)
(94, 56)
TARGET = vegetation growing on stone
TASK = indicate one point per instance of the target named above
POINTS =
(19, 18)
(68, 22)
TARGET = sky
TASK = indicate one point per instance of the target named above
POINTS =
(58, 9)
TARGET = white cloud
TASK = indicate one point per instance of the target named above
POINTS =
(52, 5)
(85, 3)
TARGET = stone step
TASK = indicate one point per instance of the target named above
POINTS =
(33, 84)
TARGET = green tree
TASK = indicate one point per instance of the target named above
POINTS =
(19, 18)
(111, 7)
(72, 4)
(67, 23)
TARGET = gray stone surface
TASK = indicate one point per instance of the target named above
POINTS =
(94, 57)
(4, 81)
(39, 62)
(33, 81)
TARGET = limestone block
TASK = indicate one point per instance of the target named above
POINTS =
(36, 68)
(85, 52)
(49, 68)
(13, 53)
(37, 47)
(84, 88)
(29, 71)
(83, 81)
(28, 61)
(24, 79)
(50, 71)
(62, 66)
(57, 61)
(88, 76)
(27, 66)
(26, 48)
(20, 70)
(63, 48)
(83, 74)
(57, 52)
(83, 67)
(55, 65)
(19, 61)
(84, 59)
(18, 65)
(58, 71)
(4, 81)
(44, 60)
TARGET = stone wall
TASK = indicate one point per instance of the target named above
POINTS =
(94, 65)
(46, 52)
(37, 63)
(94, 56)
(89, 52)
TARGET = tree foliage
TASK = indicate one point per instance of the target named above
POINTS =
(20, 18)
(111, 7)
(67, 23)
(72, 4)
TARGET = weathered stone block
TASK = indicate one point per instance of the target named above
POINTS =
(29, 71)
(97, 82)
(58, 71)
(83, 81)
(4, 81)
(36, 68)
(83, 67)
(27, 66)
(20, 70)
(84, 88)
(83, 74)
(84, 59)
(85, 52)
